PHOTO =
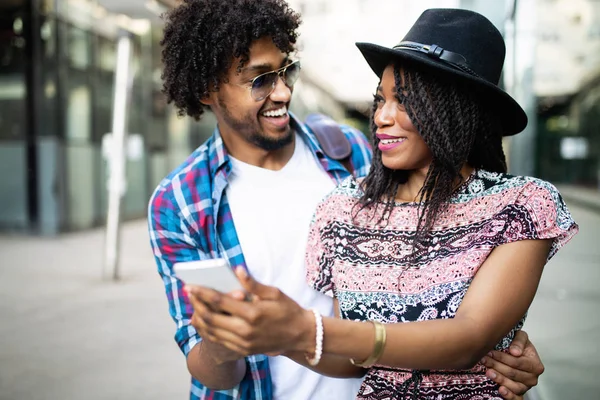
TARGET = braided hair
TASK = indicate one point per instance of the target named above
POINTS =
(456, 127)
(203, 37)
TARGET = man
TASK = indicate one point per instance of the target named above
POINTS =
(253, 186)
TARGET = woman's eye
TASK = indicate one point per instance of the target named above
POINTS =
(400, 101)
(378, 100)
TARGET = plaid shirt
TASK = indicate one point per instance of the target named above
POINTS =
(189, 219)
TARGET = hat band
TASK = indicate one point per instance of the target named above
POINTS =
(456, 60)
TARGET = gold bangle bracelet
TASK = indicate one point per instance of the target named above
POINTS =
(380, 337)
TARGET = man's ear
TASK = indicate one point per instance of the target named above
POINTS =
(207, 99)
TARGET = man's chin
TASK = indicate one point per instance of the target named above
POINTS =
(270, 143)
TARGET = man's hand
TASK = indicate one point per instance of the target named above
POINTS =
(217, 352)
(517, 371)
(270, 323)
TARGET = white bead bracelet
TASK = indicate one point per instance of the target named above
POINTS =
(314, 360)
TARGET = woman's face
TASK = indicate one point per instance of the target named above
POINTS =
(401, 145)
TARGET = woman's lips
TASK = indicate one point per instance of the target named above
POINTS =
(389, 142)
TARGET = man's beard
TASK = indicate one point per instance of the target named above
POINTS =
(249, 129)
(271, 144)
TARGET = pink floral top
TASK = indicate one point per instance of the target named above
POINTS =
(369, 266)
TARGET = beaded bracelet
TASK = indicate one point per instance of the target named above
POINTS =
(314, 360)
(380, 337)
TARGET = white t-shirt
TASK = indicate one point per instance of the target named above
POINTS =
(272, 212)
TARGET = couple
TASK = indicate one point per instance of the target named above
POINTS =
(434, 232)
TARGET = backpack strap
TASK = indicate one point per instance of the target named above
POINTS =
(332, 139)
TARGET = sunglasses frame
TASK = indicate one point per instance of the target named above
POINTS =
(281, 74)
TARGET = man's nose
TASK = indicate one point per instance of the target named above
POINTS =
(282, 93)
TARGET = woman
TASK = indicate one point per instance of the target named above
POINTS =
(437, 232)
(438, 249)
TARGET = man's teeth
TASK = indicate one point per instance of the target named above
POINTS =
(276, 113)
(390, 141)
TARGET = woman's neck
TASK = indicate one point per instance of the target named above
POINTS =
(409, 192)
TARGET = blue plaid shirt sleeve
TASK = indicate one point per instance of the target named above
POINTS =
(172, 242)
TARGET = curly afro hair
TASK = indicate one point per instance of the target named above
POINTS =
(203, 37)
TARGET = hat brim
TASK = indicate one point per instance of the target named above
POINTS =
(513, 117)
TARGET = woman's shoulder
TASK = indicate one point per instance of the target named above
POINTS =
(484, 183)
(348, 188)
(534, 207)
(533, 195)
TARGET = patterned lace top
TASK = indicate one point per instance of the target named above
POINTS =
(360, 261)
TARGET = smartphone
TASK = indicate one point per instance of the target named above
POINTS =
(214, 273)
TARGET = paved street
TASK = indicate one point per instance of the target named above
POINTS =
(564, 321)
(68, 335)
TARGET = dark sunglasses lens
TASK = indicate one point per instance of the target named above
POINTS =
(292, 73)
(263, 85)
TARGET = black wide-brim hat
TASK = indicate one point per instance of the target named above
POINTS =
(462, 45)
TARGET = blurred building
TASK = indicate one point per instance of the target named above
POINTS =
(566, 82)
(554, 72)
(57, 67)
(57, 70)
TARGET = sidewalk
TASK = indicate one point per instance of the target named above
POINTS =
(563, 320)
(68, 335)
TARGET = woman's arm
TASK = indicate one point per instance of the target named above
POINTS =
(330, 365)
(497, 299)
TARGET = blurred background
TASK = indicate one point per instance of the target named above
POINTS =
(68, 332)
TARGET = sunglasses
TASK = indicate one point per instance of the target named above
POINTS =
(263, 85)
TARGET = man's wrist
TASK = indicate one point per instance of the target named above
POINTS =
(217, 354)
(208, 363)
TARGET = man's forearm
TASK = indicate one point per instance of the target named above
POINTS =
(205, 364)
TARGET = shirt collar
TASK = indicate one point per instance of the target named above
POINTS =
(217, 154)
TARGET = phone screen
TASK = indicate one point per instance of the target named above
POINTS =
(215, 274)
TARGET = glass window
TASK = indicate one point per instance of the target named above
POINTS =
(103, 94)
(103, 104)
(75, 84)
(107, 54)
(79, 110)
(12, 74)
(78, 48)
(137, 105)
(13, 154)
(156, 137)
(47, 6)
(49, 85)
